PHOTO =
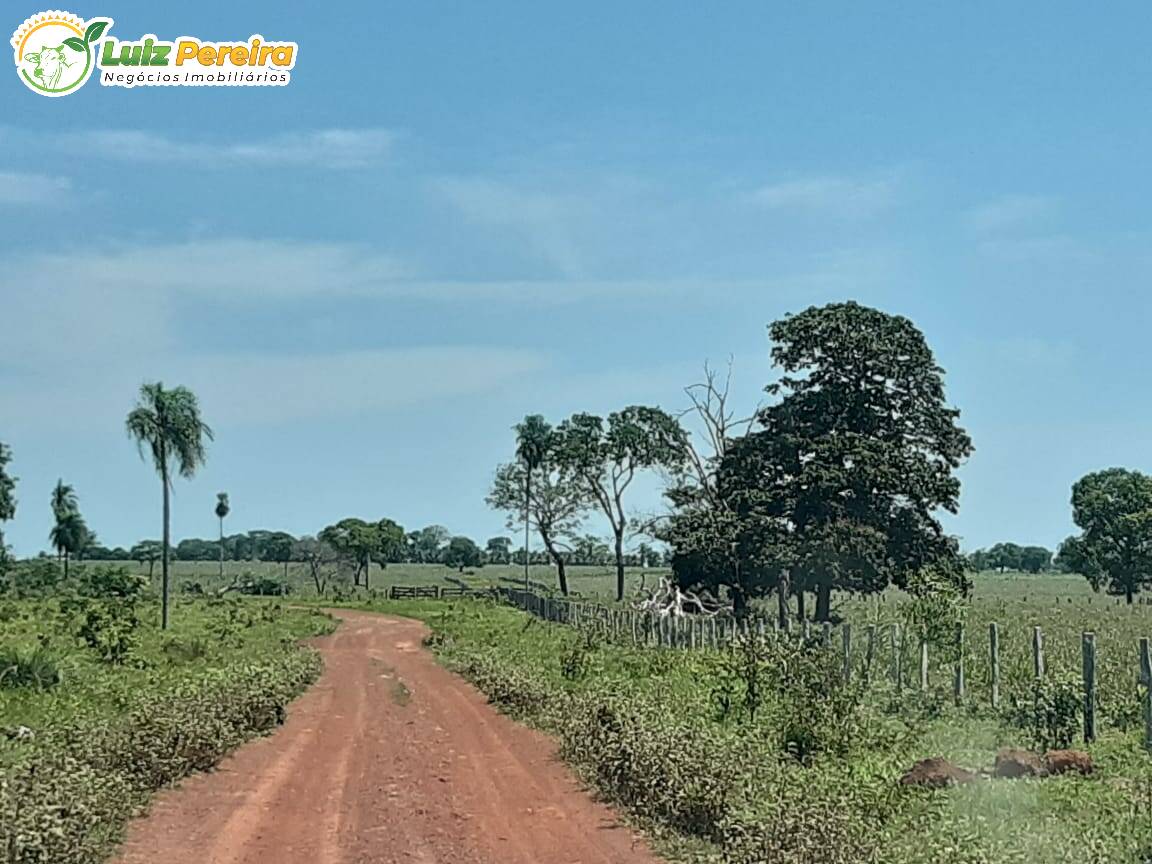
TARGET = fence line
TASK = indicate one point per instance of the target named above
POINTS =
(696, 633)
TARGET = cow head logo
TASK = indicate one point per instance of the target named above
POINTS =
(56, 51)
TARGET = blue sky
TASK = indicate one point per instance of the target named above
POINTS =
(457, 214)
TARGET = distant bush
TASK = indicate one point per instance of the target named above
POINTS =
(37, 577)
(262, 587)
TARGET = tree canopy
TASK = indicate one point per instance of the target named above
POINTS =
(838, 483)
(606, 455)
(556, 504)
(1113, 509)
(462, 552)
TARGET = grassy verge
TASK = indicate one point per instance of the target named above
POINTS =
(809, 775)
(91, 730)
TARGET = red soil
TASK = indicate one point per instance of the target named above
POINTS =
(389, 758)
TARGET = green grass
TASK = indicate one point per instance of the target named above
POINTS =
(205, 636)
(643, 726)
(586, 581)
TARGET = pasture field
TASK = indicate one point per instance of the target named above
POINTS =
(755, 754)
(584, 580)
(99, 708)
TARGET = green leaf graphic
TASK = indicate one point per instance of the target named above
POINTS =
(74, 43)
(95, 31)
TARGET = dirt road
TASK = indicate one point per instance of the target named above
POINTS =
(389, 758)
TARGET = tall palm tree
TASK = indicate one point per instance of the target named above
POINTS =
(63, 500)
(69, 536)
(222, 510)
(533, 438)
(62, 536)
(168, 423)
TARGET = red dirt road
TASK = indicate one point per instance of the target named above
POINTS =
(389, 758)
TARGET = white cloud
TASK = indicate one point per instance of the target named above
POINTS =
(21, 188)
(841, 197)
(324, 148)
(242, 269)
(1011, 213)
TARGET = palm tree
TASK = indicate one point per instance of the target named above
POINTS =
(62, 536)
(63, 500)
(222, 510)
(168, 423)
(69, 536)
(533, 437)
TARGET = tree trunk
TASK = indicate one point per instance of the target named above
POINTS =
(823, 601)
(66, 569)
(619, 565)
(801, 612)
(782, 599)
(221, 550)
(1127, 591)
(739, 601)
(164, 543)
(558, 559)
(367, 569)
(527, 521)
(285, 569)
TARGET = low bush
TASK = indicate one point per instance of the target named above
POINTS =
(35, 669)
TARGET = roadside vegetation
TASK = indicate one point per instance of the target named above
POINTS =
(100, 707)
(760, 753)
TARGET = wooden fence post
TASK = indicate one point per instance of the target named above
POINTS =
(1146, 682)
(958, 681)
(1038, 652)
(1089, 649)
(994, 654)
(869, 653)
(897, 649)
(827, 636)
(923, 663)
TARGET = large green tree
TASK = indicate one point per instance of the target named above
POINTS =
(555, 506)
(364, 542)
(424, 546)
(167, 424)
(839, 483)
(498, 550)
(606, 456)
(461, 552)
(1113, 510)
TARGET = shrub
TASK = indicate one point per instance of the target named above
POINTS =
(1049, 713)
(36, 670)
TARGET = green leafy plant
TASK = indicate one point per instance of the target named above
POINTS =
(35, 669)
(1050, 712)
